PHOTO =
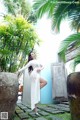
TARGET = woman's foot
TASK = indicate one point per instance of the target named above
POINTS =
(37, 114)
(35, 110)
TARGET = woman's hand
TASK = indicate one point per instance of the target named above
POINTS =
(18, 73)
(39, 69)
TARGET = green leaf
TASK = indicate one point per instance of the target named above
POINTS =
(17, 38)
(66, 42)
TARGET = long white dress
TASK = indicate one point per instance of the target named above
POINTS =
(31, 84)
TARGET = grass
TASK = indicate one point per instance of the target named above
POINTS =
(63, 116)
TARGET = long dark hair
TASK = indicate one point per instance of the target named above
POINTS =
(29, 59)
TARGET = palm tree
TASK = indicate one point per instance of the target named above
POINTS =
(73, 41)
(20, 7)
(58, 11)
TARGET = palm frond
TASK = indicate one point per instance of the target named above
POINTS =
(66, 42)
(75, 62)
(41, 7)
(60, 12)
(75, 21)
(10, 6)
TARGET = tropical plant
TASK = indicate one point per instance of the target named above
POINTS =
(17, 38)
(20, 7)
(74, 63)
(58, 10)
(74, 38)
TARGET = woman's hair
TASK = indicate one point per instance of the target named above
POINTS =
(29, 59)
(30, 69)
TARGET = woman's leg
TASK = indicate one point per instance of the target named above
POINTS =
(42, 82)
(35, 109)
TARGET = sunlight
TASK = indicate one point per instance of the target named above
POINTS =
(50, 41)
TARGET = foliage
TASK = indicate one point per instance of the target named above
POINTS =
(75, 62)
(66, 42)
(20, 7)
(58, 10)
(17, 38)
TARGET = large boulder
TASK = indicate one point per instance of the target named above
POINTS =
(8, 93)
(73, 88)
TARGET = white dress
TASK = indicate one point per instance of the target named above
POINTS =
(31, 84)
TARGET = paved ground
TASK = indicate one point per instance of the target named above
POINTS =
(46, 112)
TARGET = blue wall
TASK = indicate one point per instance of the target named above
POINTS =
(46, 92)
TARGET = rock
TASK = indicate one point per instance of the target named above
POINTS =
(8, 93)
(73, 88)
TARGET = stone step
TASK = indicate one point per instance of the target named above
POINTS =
(16, 118)
(40, 118)
(47, 112)
(27, 110)
(23, 107)
(54, 118)
(66, 103)
(43, 113)
(63, 105)
(30, 119)
(32, 114)
(66, 109)
(17, 108)
(18, 111)
(55, 112)
(23, 116)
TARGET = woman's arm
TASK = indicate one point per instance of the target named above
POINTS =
(41, 67)
(25, 67)
(38, 69)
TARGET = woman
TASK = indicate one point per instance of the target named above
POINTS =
(31, 74)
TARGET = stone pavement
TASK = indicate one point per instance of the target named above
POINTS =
(46, 112)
